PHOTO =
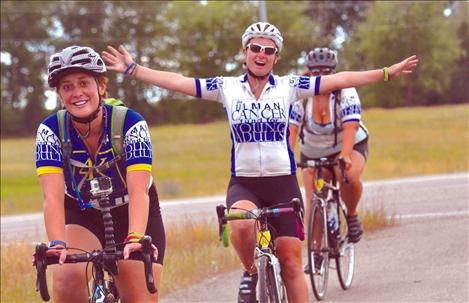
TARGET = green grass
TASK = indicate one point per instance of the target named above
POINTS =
(194, 160)
(192, 253)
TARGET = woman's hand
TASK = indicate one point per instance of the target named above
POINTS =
(135, 246)
(347, 161)
(117, 60)
(57, 250)
(404, 67)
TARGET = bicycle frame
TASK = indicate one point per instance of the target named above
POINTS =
(326, 242)
(265, 247)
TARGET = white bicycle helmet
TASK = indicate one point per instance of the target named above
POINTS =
(263, 30)
(321, 58)
(73, 58)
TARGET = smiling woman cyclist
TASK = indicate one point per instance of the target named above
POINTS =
(78, 75)
(263, 170)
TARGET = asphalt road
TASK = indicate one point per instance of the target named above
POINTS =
(426, 196)
(420, 260)
(424, 258)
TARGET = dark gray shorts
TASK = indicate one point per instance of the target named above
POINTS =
(361, 147)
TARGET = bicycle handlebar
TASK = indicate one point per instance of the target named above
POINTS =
(42, 260)
(258, 213)
(325, 163)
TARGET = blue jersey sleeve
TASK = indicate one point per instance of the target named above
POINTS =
(49, 157)
(137, 142)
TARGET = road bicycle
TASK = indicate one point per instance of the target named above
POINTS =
(271, 286)
(104, 262)
(327, 231)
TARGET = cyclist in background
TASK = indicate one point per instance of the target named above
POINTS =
(263, 170)
(329, 126)
(78, 74)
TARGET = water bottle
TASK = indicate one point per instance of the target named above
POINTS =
(333, 220)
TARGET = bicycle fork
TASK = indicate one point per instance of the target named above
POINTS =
(275, 263)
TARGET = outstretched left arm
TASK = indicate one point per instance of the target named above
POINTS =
(354, 79)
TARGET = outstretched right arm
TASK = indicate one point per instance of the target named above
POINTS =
(119, 60)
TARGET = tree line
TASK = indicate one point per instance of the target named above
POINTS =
(203, 39)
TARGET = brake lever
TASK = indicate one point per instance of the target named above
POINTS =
(41, 266)
(296, 203)
(221, 220)
(342, 170)
(147, 263)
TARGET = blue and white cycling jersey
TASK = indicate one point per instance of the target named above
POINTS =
(318, 140)
(137, 154)
(259, 128)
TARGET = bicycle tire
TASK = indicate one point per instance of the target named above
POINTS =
(318, 226)
(345, 260)
(267, 286)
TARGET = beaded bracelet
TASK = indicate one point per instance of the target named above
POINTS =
(387, 75)
(131, 65)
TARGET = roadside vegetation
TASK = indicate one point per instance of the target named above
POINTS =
(194, 160)
(403, 142)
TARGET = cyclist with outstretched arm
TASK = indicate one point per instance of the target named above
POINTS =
(66, 167)
(330, 126)
(263, 170)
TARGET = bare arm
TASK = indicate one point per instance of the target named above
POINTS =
(139, 201)
(119, 60)
(348, 141)
(53, 189)
(354, 79)
(293, 129)
(139, 204)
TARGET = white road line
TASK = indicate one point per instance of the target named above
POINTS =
(432, 215)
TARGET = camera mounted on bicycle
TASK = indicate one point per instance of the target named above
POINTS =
(100, 187)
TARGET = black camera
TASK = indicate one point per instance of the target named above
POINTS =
(101, 187)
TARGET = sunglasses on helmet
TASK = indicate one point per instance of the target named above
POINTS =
(256, 48)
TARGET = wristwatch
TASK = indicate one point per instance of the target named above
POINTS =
(57, 242)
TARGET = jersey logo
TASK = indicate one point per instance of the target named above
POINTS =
(254, 121)
(48, 146)
(300, 82)
(351, 110)
(137, 142)
(304, 82)
(213, 83)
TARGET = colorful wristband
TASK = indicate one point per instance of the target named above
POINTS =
(131, 65)
(133, 237)
(387, 75)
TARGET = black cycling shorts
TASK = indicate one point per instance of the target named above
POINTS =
(92, 220)
(265, 192)
(361, 147)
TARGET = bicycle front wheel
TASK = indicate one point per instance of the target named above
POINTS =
(267, 286)
(345, 260)
(318, 250)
